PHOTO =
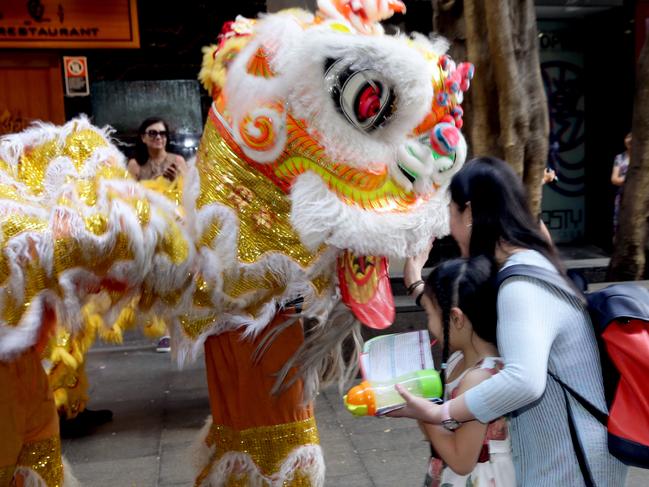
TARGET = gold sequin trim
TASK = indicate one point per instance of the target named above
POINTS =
(299, 480)
(87, 191)
(78, 146)
(322, 283)
(193, 327)
(262, 208)
(268, 447)
(96, 223)
(44, 458)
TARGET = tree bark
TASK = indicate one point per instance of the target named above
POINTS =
(506, 108)
(628, 260)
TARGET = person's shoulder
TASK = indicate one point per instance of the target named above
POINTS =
(180, 162)
(472, 378)
(524, 288)
(133, 166)
(529, 257)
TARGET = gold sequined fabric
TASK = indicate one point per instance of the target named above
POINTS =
(44, 458)
(263, 210)
(267, 446)
(68, 206)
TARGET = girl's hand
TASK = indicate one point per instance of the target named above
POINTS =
(414, 265)
(416, 408)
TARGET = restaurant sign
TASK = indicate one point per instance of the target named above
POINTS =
(68, 24)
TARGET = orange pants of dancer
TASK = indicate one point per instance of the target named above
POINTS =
(247, 417)
(29, 423)
(240, 396)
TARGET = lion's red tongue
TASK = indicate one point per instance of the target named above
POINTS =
(365, 288)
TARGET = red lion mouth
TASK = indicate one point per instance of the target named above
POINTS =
(365, 288)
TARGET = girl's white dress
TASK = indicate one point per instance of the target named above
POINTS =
(495, 467)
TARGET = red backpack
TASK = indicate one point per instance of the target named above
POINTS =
(620, 317)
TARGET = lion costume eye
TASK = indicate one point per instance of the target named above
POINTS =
(363, 96)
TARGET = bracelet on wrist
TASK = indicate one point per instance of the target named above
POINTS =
(418, 299)
(414, 286)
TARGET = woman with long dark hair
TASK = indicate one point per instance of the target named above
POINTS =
(540, 330)
(152, 157)
(153, 160)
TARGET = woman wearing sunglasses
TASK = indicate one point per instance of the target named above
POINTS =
(152, 157)
(152, 160)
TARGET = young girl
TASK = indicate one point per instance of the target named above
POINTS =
(460, 302)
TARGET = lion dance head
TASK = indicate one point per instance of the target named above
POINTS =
(328, 149)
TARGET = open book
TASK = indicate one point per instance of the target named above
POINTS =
(403, 358)
(387, 357)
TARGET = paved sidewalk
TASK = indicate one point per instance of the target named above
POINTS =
(159, 411)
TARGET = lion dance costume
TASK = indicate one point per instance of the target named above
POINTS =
(327, 149)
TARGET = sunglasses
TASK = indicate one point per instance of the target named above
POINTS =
(154, 133)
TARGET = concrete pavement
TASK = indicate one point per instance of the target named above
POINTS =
(158, 411)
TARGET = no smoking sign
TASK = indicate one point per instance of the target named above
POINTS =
(76, 76)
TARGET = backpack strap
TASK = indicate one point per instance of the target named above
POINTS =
(576, 444)
(594, 412)
(545, 275)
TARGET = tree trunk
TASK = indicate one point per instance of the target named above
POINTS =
(506, 108)
(628, 261)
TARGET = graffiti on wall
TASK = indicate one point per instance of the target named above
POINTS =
(563, 87)
(563, 78)
(566, 219)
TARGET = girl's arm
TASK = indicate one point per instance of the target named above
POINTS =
(529, 317)
(460, 449)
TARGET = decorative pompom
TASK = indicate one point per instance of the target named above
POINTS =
(444, 138)
(467, 70)
(442, 99)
